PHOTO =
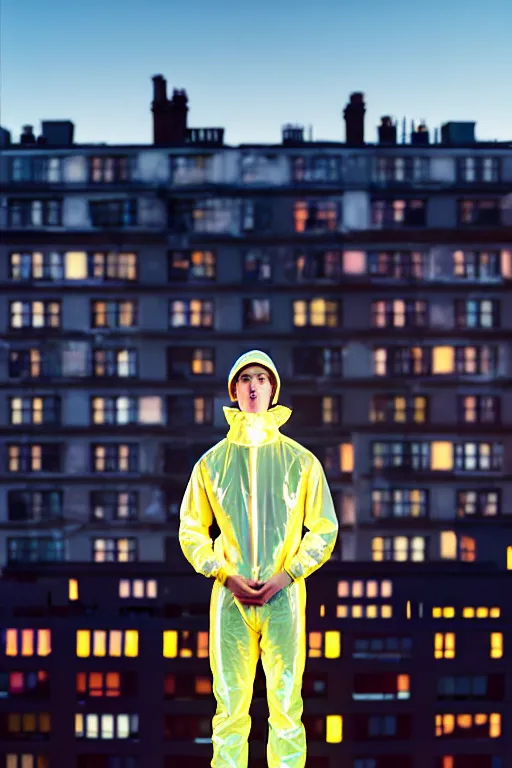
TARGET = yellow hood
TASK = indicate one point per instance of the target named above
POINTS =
(254, 357)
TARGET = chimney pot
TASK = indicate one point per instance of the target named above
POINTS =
(354, 119)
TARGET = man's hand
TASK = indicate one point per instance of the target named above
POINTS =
(250, 592)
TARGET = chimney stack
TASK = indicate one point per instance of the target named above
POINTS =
(387, 131)
(28, 137)
(169, 116)
(354, 119)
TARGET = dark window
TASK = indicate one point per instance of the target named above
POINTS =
(384, 686)
(114, 505)
(256, 312)
(256, 215)
(480, 213)
(21, 169)
(382, 648)
(399, 502)
(401, 455)
(113, 213)
(398, 213)
(317, 265)
(316, 169)
(191, 266)
(31, 549)
(315, 410)
(318, 361)
(34, 213)
(469, 761)
(400, 169)
(184, 410)
(476, 687)
(110, 761)
(181, 460)
(479, 169)
(27, 684)
(25, 726)
(34, 505)
(191, 169)
(187, 728)
(398, 265)
(257, 266)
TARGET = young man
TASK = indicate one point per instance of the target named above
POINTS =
(262, 488)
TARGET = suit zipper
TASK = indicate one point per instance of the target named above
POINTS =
(253, 512)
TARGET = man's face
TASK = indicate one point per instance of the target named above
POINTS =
(254, 389)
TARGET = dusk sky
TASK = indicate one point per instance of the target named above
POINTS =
(253, 66)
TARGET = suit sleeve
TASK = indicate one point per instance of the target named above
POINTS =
(322, 526)
(196, 517)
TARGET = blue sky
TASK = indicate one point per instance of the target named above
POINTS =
(251, 66)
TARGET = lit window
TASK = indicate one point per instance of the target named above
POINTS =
(73, 589)
(315, 645)
(444, 645)
(496, 645)
(449, 545)
(445, 612)
(76, 265)
(170, 644)
(346, 457)
(354, 262)
(442, 455)
(509, 558)
(28, 642)
(332, 644)
(443, 360)
(150, 410)
(333, 729)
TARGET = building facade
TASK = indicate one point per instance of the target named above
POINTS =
(378, 277)
(106, 666)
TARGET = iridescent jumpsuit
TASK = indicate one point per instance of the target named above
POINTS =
(262, 488)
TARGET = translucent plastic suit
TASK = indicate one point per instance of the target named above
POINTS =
(262, 488)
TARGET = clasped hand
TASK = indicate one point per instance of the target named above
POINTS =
(252, 592)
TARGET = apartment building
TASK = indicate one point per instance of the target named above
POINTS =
(377, 275)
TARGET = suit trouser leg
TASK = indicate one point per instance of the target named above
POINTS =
(283, 655)
(234, 654)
